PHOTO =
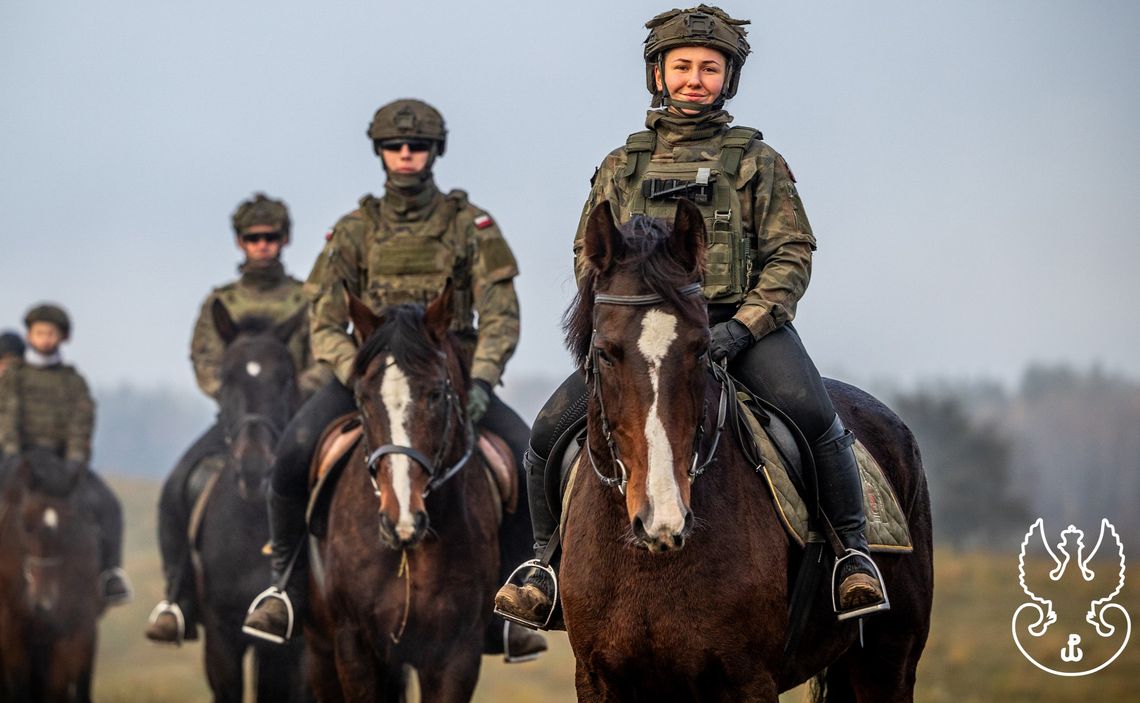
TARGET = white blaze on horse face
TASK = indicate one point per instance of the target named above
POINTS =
(253, 369)
(51, 518)
(658, 332)
(397, 396)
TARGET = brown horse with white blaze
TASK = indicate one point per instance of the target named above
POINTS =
(410, 555)
(675, 573)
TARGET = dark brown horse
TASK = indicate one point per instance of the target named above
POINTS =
(410, 554)
(258, 397)
(678, 590)
(49, 569)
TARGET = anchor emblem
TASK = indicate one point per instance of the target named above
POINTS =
(1071, 652)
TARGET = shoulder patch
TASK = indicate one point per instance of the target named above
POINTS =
(483, 222)
(328, 235)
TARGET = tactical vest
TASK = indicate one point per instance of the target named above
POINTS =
(410, 261)
(654, 187)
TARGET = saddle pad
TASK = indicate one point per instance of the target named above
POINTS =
(886, 524)
(500, 468)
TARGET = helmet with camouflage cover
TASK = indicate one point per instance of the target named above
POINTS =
(703, 25)
(408, 119)
(262, 210)
(49, 312)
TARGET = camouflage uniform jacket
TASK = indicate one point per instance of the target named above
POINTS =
(386, 257)
(48, 407)
(268, 293)
(772, 218)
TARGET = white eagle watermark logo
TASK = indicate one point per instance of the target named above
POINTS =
(1106, 584)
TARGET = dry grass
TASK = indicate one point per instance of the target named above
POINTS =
(970, 657)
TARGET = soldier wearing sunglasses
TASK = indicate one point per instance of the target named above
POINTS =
(261, 230)
(400, 247)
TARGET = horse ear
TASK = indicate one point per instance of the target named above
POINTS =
(364, 322)
(604, 242)
(224, 322)
(687, 240)
(284, 331)
(440, 311)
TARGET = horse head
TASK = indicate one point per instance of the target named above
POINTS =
(410, 386)
(41, 496)
(639, 326)
(259, 391)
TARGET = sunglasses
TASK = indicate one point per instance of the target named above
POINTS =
(414, 145)
(255, 237)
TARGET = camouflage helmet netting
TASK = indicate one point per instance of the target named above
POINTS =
(703, 25)
(261, 210)
(409, 119)
(49, 312)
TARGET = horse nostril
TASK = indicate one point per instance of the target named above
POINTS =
(639, 529)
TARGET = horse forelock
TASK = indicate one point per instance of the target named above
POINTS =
(646, 258)
(403, 334)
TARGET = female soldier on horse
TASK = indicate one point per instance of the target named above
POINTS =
(759, 251)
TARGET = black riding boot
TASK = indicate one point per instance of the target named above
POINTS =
(100, 501)
(533, 602)
(274, 612)
(857, 587)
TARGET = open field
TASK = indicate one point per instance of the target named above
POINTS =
(970, 657)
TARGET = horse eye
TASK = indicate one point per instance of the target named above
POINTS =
(603, 357)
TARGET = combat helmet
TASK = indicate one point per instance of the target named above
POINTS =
(703, 25)
(49, 312)
(408, 119)
(11, 344)
(262, 210)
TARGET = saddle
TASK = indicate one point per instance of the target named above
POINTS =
(340, 439)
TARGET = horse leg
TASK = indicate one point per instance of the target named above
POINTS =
(278, 673)
(322, 670)
(70, 658)
(454, 682)
(591, 687)
(223, 659)
(355, 669)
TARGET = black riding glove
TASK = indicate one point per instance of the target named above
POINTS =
(478, 400)
(729, 339)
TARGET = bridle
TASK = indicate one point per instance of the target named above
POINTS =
(436, 478)
(717, 369)
(250, 420)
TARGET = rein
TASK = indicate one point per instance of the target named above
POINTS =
(718, 371)
(250, 420)
(431, 466)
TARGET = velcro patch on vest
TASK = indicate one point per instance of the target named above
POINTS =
(483, 222)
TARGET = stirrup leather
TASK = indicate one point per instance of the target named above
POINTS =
(280, 594)
(885, 604)
(174, 609)
(515, 579)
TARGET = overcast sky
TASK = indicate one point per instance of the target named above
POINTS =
(971, 169)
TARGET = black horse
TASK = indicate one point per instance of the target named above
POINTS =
(259, 394)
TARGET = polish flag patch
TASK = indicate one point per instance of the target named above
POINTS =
(328, 235)
(483, 222)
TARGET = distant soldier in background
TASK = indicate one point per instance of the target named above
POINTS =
(11, 349)
(45, 403)
(261, 228)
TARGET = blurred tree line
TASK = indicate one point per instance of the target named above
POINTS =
(1063, 446)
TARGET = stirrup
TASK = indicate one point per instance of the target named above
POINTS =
(174, 609)
(280, 594)
(885, 604)
(528, 566)
(105, 578)
(507, 656)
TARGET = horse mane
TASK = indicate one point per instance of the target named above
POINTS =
(403, 333)
(646, 255)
